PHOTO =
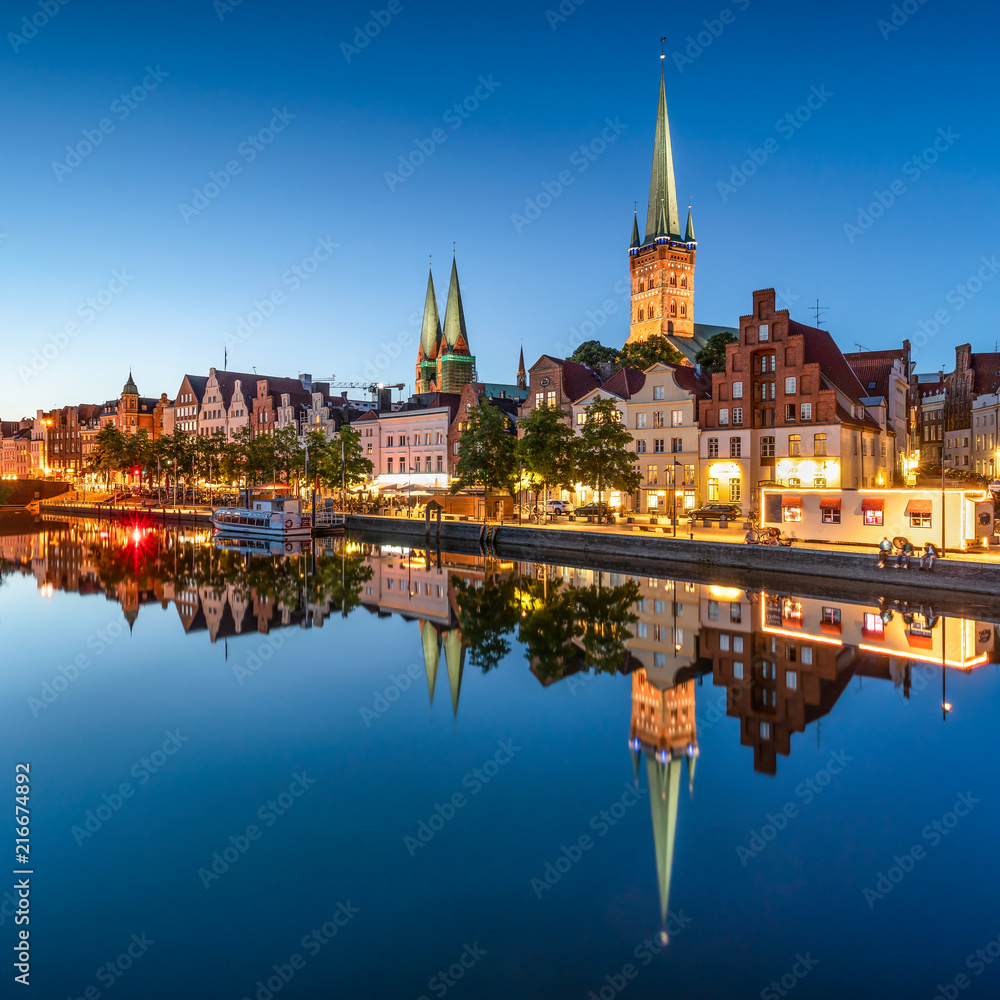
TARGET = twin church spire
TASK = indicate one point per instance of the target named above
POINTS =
(444, 361)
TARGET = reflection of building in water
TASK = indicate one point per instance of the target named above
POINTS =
(790, 665)
(416, 585)
(664, 731)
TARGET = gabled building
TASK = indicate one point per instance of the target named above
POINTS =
(886, 375)
(789, 410)
(183, 414)
(132, 413)
(974, 375)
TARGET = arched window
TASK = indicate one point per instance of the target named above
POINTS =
(684, 310)
(642, 314)
(642, 285)
(673, 280)
(684, 281)
(673, 308)
(652, 311)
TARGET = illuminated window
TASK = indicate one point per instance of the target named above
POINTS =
(735, 490)
(819, 444)
(795, 445)
(874, 625)
(713, 489)
(652, 475)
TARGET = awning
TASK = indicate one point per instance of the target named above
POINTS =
(791, 501)
(868, 504)
(829, 503)
(918, 507)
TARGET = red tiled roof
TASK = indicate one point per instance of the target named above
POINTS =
(578, 379)
(821, 349)
(873, 373)
(688, 379)
(626, 382)
(844, 416)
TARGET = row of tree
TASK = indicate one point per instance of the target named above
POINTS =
(712, 357)
(549, 455)
(243, 460)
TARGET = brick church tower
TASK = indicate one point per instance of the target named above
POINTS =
(661, 264)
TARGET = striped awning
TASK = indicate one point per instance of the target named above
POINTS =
(870, 504)
(918, 507)
(829, 503)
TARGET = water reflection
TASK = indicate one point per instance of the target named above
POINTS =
(777, 661)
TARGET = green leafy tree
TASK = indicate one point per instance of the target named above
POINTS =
(604, 456)
(608, 615)
(548, 626)
(547, 449)
(643, 353)
(487, 453)
(108, 455)
(594, 353)
(6, 491)
(712, 357)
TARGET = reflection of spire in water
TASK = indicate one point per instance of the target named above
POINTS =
(432, 654)
(454, 654)
(691, 761)
(130, 614)
(664, 784)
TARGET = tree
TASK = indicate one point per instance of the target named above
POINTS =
(643, 353)
(712, 357)
(603, 457)
(108, 454)
(339, 461)
(487, 453)
(594, 353)
(608, 616)
(547, 449)
(487, 614)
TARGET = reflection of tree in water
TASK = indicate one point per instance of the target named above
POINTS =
(563, 628)
(188, 563)
(487, 614)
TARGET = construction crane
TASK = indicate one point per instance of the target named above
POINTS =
(372, 388)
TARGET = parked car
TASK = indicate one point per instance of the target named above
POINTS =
(601, 510)
(716, 512)
(558, 507)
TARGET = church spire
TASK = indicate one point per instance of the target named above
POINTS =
(454, 316)
(662, 190)
(636, 240)
(689, 232)
(430, 332)
(522, 375)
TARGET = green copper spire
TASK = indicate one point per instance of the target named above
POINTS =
(454, 656)
(664, 784)
(129, 389)
(662, 190)
(454, 315)
(636, 241)
(430, 332)
(431, 642)
(689, 232)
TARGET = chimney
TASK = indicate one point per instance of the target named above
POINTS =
(605, 369)
(307, 380)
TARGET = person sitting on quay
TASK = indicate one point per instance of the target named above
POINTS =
(905, 552)
(929, 557)
(884, 551)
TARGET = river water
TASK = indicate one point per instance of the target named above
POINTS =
(366, 770)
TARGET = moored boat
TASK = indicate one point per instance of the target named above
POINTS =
(280, 517)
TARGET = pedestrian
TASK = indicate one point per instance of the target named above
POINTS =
(884, 551)
(905, 552)
(929, 557)
(750, 538)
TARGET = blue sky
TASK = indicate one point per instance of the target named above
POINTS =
(348, 115)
